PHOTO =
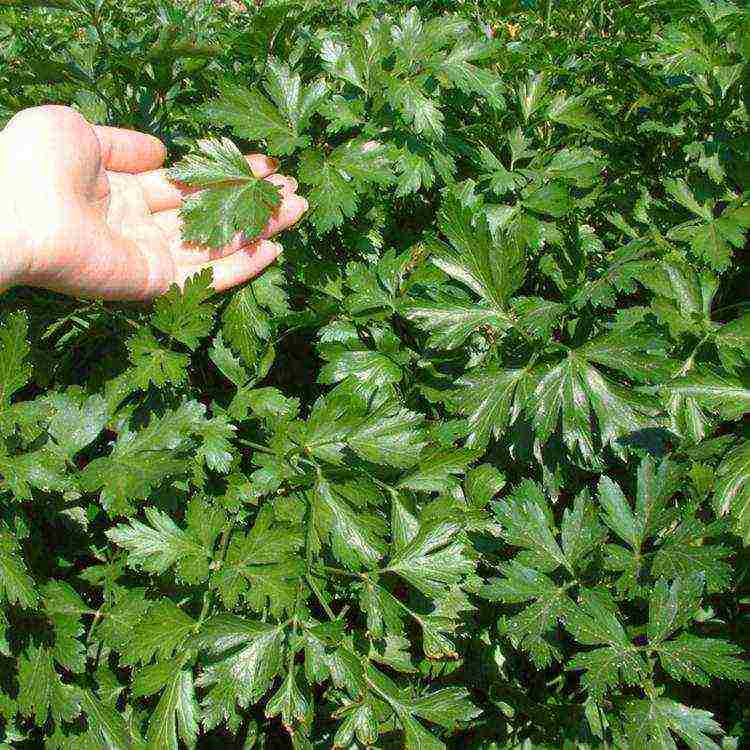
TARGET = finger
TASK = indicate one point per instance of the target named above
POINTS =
(170, 222)
(53, 150)
(262, 165)
(240, 266)
(287, 214)
(287, 185)
(128, 150)
(163, 193)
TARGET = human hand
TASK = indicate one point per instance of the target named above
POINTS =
(87, 210)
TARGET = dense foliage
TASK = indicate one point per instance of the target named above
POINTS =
(469, 465)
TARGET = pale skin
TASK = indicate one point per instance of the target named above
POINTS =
(89, 211)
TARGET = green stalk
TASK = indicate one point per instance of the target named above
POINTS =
(547, 13)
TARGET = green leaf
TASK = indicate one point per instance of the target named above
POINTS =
(418, 165)
(594, 622)
(493, 272)
(580, 530)
(260, 566)
(708, 242)
(457, 68)
(16, 585)
(153, 364)
(733, 342)
(165, 630)
(389, 435)
(125, 612)
(15, 370)
(337, 180)
(537, 317)
(289, 702)
(437, 469)
(525, 521)
(42, 469)
(578, 165)
(161, 543)
(296, 103)
(727, 396)
(681, 192)
(247, 319)
(41, 691)
(360, 723)
(710, 238)
(176, 715)
(248, 656)
(363, 365)
(356, 537)
(227, 361)
(107, 724)
(501, 180)
(407, 97)
(184, 315)
(492, 400)
(140, 460)
(451, 321)
(617, 512)
(482, 484)
(232, 200)
(531, 94)
(573, 112)
(216, 448)
(330, 422)
(447, 707)
(444, 707)
(64, 608)
(434, 559)
(264, 403)
(685, 552)
(691, 292)
(574, 392)
(649, 725)
(253, 117)
(606, 668)
(347, 62)
(698, 660)
(672, 607)
(530, 628)
(552, 198)
(732, 493)
(654, 486)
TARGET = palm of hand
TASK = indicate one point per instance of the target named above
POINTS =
(95, 215)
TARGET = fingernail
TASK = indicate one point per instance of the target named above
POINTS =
(275, 163)
(301, 204)
(276, 248)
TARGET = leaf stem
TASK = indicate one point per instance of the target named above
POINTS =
(256, 446)
(208, 595)
(323, 603)
(341, 572)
